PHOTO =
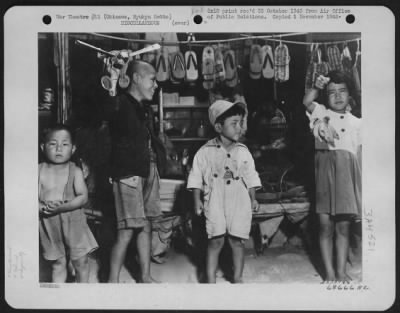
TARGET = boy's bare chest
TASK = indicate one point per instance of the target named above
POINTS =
(52, 184)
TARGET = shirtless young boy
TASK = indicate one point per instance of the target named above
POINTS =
(63, 229)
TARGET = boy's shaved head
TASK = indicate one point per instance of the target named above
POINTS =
(138, 66)
(143, 80)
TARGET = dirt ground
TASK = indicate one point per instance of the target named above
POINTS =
(276, 265)
(284, 264)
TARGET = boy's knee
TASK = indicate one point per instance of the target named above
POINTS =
(342, 229)
(59, 270)
(125, 235)
(147, 227)
(236, 242)
(326, 230)
(216, 243)
(60, 263)
(81, 263)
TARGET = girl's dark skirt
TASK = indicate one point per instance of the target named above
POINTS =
(337, 182)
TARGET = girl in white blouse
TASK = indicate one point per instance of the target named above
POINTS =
(337, 168)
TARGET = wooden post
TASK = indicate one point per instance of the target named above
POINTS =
(61, 61)
(161, 111)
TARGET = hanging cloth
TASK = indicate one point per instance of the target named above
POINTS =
(356, 69)
(346, 60)
(322, 68)
(282, 59)
(355, 73)
(219, 65)
(311, 68)
(316, 67)
(208, 68)
(334, 58)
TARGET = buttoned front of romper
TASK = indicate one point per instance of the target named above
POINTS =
(225, 178)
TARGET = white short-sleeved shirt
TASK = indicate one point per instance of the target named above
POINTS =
(346, 125)
(225, 177)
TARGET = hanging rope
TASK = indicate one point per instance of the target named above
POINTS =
(244, 37)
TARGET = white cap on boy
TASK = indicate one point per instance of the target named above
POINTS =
(218, 108)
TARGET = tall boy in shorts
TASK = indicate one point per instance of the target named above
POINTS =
(136, 157)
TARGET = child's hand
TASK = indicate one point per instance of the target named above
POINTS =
(55, 207)
(321, 82)
(42, 207)
(45, 209)
(255, 205)
(198, 207)
(326, 132)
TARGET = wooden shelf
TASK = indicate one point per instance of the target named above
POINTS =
(180, 106)
(188, 138)
(186, 106)
(45, 113)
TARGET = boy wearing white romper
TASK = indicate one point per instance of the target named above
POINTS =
(223, 180)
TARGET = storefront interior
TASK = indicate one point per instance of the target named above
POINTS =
(283, 246)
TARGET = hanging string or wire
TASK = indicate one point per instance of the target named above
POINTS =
(165, 43)
(244, 37)
(322, 42)
(201, 41)
(279, 40)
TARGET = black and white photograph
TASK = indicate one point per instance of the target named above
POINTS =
(211, 156)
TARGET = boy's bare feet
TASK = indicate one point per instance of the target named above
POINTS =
(344, 278)
(329, 281)
(330, 277)
(158, 259)
(148, 280)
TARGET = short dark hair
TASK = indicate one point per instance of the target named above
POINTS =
(236, 109)
(56, 127)
(340, 77)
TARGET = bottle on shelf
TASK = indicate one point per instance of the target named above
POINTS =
(185, 157)
(201, 130)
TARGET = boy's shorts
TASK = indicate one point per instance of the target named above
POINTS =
(137, 199)
(66, 234)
